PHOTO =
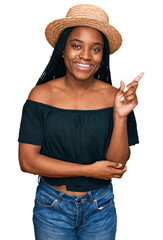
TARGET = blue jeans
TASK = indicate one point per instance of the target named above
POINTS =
(59, 216)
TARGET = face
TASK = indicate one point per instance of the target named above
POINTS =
(83, 53)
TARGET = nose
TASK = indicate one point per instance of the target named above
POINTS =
(85, 54)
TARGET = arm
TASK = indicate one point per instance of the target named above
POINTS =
(32, 161)
(118, 150)
(125, 102)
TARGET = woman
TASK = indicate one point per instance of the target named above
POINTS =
(76, 129)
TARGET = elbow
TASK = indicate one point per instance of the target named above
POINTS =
(125, 159)
(129, 154)
(27, 155)
(119, 158)
(23, 164)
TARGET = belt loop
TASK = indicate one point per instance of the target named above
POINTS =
(38, 180)
(60, 196)
(90, 196)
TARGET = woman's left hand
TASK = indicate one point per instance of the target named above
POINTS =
(126, 101)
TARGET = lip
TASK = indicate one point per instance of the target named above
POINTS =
(83, 66)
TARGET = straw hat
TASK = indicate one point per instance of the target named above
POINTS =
(84, 15)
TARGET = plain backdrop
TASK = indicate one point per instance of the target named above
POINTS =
(24, 53)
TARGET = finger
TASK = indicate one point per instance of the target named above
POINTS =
(121, 91)
(133, 84)
(114, 164)
(122, 87)
(117, 176)
(134, 102)
(131, 97)
(136, 80)
(119, 171)
(129, 92)
(138, 77)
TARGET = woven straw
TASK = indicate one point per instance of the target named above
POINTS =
(84, 15)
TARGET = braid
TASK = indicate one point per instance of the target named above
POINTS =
(103, 72)
(56, 67)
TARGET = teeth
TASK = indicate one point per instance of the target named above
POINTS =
(83, 65)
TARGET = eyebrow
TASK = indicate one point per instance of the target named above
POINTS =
(77, 40)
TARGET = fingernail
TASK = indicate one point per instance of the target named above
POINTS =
(122, 99)
(121, 82)
(125, 90)
(119, 164)
(141, 74)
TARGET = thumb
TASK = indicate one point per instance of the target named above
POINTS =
(122, 87)
(114, 164)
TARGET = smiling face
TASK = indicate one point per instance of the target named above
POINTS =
(83, 53)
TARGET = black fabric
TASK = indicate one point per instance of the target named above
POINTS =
(78, 136)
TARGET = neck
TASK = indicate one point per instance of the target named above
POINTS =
(78, 85)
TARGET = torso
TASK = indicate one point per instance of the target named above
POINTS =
(64, 189)
(55, 93)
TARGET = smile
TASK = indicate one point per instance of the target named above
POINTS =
(83, 66)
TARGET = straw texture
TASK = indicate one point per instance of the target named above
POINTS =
(84, 15)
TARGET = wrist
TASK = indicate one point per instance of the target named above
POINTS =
(118, 117)
(86, 170)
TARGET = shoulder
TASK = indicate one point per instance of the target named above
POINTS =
(43, 92)
(39, 93)
(106, 88)
(107, 91)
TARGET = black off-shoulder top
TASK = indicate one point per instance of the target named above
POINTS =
(77, 136)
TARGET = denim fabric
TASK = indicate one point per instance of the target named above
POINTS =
(59, 216)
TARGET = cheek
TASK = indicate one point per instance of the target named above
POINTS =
(70, 53)
(68, 58)
(98, 59)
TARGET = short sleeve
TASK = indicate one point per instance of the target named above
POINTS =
(30, 127)
(132, 129)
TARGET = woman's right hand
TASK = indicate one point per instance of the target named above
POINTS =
(106, 169)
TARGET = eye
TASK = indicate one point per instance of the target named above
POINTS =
(95, 49)
(76, 46)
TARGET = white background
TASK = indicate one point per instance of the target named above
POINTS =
(24, 54)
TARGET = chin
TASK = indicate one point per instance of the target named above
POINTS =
(84, 76)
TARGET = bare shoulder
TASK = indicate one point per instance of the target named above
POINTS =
(106, 88)
(39, 93)
(43, 92)
(107, 91)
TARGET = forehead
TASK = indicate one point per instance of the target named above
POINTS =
(86, 34)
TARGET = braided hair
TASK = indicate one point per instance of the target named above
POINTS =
(56, 67)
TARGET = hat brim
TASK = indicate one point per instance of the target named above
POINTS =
(55, 28)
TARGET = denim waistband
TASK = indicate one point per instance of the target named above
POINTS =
(89, 196)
